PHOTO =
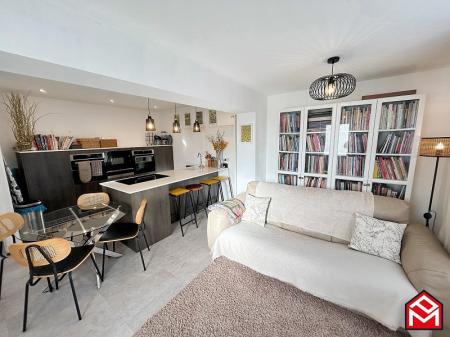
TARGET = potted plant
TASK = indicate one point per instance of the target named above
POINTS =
(22, 115)
(219, 145)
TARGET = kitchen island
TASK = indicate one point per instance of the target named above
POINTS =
(158, 217)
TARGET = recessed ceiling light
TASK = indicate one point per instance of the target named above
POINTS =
(42, 90)
(111, 101)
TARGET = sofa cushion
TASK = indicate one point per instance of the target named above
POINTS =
(325, 214)
(256, 209)
(391, 209)
(377, 237)
(427, 265)
(365, 283)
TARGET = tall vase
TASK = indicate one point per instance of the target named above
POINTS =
(219, 157)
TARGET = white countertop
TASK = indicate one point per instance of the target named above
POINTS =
(174, 176)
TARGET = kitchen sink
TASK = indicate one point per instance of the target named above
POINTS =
(141, 179)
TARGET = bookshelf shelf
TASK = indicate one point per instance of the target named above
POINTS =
(368, 145)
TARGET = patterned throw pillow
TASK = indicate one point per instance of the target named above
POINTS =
(256, 209)
(377, 237)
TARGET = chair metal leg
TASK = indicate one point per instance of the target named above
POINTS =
(145, 238)
(96, 267)
(208, 199)
(1, 266)
(178, 206)
(193, 208)
(221, 191)
(74, 296)
(50, 287)
(140, 251)
(114, 247)
(25, 306)
(103, 262)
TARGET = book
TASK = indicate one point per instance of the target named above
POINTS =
(288, 162)
(392, 168)
(316, 164)
(287, 179)
(352, 166)
(316, 182)
(399, 115)
(389, 191)
(397, 143)
(290, 122)
(315, 142)
(347, 185)
(289, 143)
(357, 117)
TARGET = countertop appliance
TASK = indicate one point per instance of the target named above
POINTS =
(119, 164)
(144, 161)
(141, 179)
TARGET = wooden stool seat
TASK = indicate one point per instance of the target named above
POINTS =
(176, 192)
(221, 178)
(194, 187)
(209, 182)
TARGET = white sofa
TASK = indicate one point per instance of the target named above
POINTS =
(315, 262)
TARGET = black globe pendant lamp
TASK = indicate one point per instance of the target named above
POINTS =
(332, 86)
(149, 122)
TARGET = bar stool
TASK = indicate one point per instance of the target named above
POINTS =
(177, 193)
(222, 179)
(197, 188)
(210, 183)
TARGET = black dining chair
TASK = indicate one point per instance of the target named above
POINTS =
(120, 231)
(50, 258)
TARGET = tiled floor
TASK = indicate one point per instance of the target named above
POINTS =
(128, 295)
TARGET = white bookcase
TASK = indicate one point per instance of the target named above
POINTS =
(369, 145)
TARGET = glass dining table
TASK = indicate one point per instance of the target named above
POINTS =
(76, 225)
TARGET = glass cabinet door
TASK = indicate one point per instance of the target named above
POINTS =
(353, 145)
(319, 131)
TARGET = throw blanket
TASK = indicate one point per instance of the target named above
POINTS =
(234, 209)
(327, 212)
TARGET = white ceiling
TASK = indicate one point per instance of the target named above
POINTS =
(60, 90)
(282, 45)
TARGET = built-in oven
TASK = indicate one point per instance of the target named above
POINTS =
(144, 161)
(87, 167)
(119, 164)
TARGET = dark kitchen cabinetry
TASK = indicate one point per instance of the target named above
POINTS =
(49, 175)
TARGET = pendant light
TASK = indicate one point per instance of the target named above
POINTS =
(176, 124)
(149, 122)
(196, 127)
(332, 86)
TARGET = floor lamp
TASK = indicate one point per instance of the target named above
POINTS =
(436, 147)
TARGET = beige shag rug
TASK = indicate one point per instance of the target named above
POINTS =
(228, 299)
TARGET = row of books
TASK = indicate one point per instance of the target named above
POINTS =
(315, 142)
(390, 168)
(51, 142)
(352, 166)
(289, 143)
(316, 164)
(357, 117)
(348, 185)
(288, 162)
(357, 143)
(399, 115)
(318, 120)
(290, 122)
(316, 182)
(287, 179)
(397, 144)
(386, 191)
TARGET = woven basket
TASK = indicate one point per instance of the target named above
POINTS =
(108, 142)
(89, 143)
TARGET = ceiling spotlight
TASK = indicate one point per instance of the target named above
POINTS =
(42, 90)
(111, 101)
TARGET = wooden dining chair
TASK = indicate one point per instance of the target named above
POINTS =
(10, 223)
(120, 231)
(50, 258)
(90, 201)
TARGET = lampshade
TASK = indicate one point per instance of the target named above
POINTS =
(196, 126)
(332, 86)
(435, 147)
(149, 122)
(176, 124)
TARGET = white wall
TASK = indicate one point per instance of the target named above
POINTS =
(435, 84)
